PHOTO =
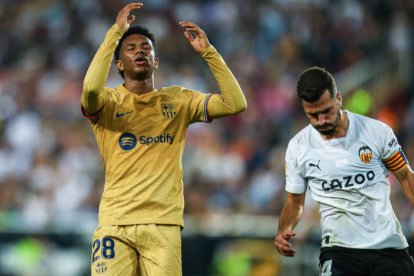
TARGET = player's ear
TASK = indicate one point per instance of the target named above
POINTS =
(119, 65)
(156, 62)
(339, 98)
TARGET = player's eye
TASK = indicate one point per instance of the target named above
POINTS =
(327, 111)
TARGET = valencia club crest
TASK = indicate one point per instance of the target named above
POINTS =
(365, 154)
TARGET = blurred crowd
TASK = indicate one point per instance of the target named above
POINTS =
(49, 161)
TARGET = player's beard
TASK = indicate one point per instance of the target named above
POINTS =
(333, 126)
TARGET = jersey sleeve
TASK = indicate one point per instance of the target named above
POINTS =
(393, 156)
(198, 103)
(93, 97)
(231, 101)
(102, 115)
(295, 180)
(94, 117)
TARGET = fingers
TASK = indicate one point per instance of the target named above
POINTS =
(287, 252)
(288, 234)
(189, 36)
(132, 6)
(285, 248)
(128, 8)
(124, 19)
(189, 26)
(282, 244)
(196, 36)
(131, 19)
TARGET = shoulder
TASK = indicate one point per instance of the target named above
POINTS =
(371, 124)
(181, 92)
(301, 141)
(172, 89)
(115, 93)
(367, 121)
(182, 89)
(302, 137)
(115, 96)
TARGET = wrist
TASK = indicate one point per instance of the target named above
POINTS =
(206, 53)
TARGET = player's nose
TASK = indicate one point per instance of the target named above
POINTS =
(322, 119)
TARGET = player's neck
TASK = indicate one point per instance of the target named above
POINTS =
(341, 129)
(139, 87)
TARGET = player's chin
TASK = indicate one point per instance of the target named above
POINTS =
(142, 73)
(141, 68)
(326, 130)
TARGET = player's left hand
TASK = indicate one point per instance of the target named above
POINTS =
(124, 19)
(196, 36)
(282, 244)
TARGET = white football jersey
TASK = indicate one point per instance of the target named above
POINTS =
(349, 179)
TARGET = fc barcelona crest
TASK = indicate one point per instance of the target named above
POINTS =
(365, 154)
(168, 110)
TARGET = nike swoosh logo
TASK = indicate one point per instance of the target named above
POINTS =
(117, 114)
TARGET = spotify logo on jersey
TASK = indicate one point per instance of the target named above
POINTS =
(127, 141)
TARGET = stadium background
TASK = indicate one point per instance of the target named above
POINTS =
(51, 176)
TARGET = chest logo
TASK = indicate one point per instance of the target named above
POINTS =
(127, 141)
(315, 165)
(365, 154)
(168, 110)
(121, 114)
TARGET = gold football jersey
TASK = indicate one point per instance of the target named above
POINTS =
(141, 141)
(141, 137)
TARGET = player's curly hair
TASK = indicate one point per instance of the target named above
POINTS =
(313, 82)
(133, 30)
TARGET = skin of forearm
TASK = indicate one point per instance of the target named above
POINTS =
(406, 179)
(290, 216)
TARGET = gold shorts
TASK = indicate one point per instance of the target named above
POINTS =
(146, 249)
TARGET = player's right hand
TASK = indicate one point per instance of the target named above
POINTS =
(282, 244)
(124, 19)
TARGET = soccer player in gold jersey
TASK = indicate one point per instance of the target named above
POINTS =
(140, 131)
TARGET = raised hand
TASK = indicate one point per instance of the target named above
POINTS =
(196, 36)
(124, 19)
(283, 245)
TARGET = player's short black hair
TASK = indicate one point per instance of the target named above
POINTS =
(313, 82)
(134, 30)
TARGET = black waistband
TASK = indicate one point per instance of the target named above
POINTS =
(335, 248)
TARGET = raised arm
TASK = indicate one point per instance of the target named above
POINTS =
(92, 97)
(231, 100)
(289, 218)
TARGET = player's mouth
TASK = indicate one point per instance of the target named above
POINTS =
(141, 60)
(326, 129)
